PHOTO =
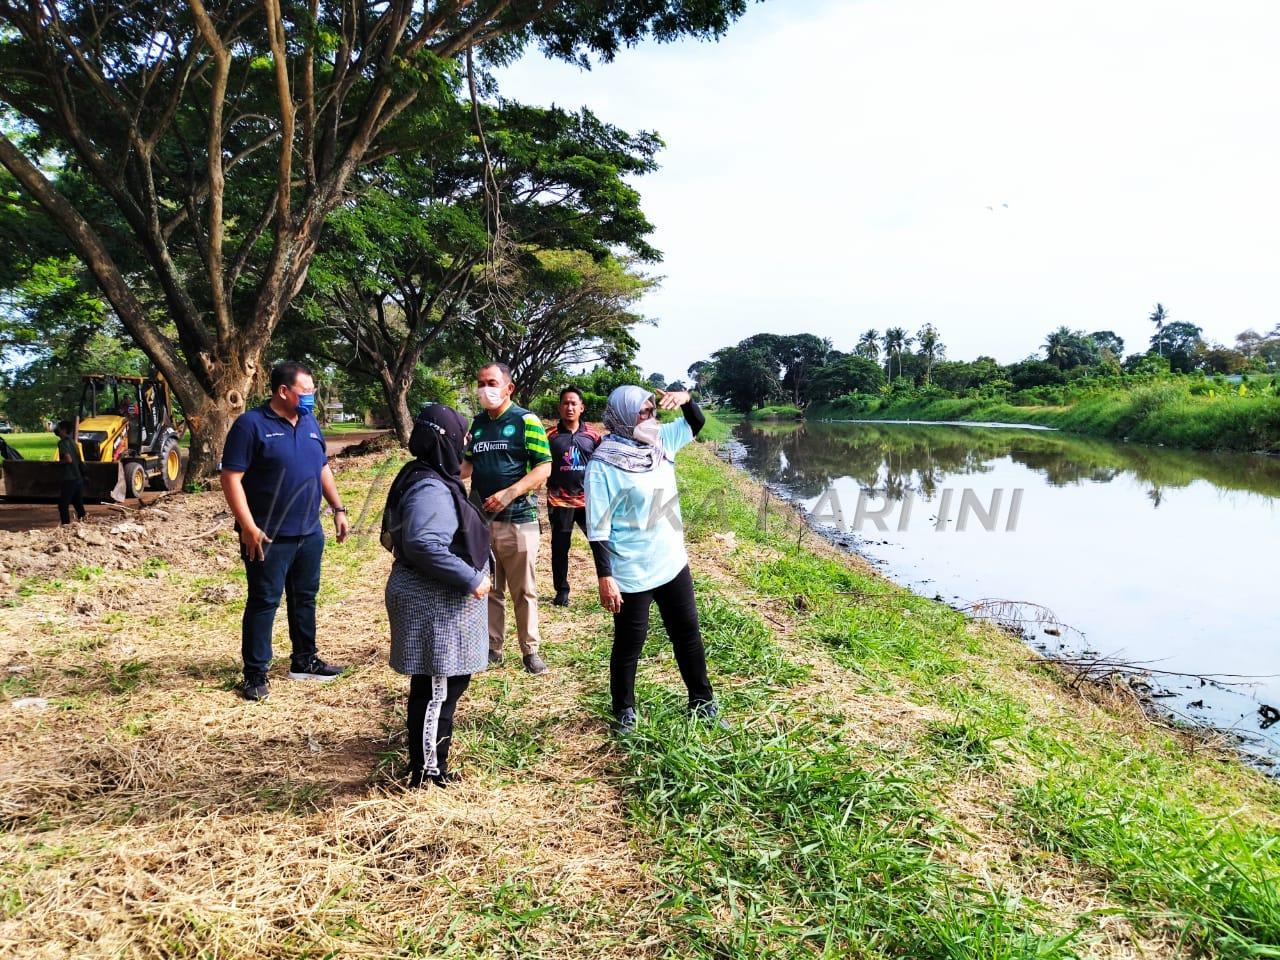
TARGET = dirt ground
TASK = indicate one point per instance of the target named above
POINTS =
(188, 822)
(16, 517)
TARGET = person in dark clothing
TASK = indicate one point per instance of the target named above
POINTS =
(72, 491)
(633, 510)
(274, 472)
(572, 443)
(436, 592)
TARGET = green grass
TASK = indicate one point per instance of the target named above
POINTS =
(779, 838)
(41, 446)
(32, 446)
(331, 428)
(1162, 412)
(717, 428)
(771, 822)
(1215, 879)
(785, 411)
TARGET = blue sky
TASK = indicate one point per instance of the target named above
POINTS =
(829, 167)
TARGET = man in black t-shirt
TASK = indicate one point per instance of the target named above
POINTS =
(572, 443)
(72, 490)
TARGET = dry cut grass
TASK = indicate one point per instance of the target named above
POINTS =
(148, 812)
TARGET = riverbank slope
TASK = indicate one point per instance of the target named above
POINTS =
(894, 780)
(1162, 412)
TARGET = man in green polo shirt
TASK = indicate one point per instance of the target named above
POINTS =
(507, 458)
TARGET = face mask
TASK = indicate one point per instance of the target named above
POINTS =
(306, 402)
(646, 431)
(491, 398)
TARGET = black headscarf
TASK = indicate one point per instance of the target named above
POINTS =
(439, 434)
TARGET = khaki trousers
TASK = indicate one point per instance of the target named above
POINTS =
(515, 554)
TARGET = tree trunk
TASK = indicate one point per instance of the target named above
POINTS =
(211, 417)
(395, 387)
(209, 427)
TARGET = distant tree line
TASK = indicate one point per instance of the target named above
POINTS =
(802, 369)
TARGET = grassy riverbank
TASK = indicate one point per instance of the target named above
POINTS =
(895, 781)
(1160, 412)
(784, 411)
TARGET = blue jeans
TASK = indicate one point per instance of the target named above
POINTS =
(291, 566)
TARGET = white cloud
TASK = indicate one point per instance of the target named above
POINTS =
(829, 167)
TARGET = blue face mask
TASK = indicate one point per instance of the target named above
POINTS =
(306, 403)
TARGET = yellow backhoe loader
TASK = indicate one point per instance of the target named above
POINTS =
(127, 441)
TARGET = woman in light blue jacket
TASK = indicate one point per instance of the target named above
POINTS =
(633, 508)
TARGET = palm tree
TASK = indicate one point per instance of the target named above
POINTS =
(869, 345)
(1158, 316)
(1059, 347)
(895, 340)
(931, 348)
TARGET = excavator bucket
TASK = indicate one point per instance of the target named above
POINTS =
(41, 480)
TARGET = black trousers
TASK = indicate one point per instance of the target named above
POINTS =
(562, 521)
(290, 566)
(679, 615)
(71, 494)
(432, 701)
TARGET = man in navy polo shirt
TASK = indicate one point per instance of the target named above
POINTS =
(274, 471)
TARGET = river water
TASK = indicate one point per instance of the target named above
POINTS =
(1112, 551)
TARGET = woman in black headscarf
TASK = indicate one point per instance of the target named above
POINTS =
(435, 594)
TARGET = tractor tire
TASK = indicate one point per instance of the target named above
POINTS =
(135, 478)
(170, 476)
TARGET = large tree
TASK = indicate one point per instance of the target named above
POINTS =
(1159, 316)
(1109, 343)
(1067, 349)
(794, 357)
(406, 264)
(931, 347)
(801, 355)
(1178, 343)
(562, 311)
(846, 374)
(746, 376)
(698, 371)
(895, 342)
(869, 345)
(196, 149)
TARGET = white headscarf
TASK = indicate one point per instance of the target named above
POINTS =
(620, 448)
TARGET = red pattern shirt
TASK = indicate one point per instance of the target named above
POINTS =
(570, 453)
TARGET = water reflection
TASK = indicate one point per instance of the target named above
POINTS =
(1156, 556)
(807, 457)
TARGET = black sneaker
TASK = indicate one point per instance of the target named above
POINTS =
(315, 669)
(708, 712)
(562, 598)
(255, 687)
(624, 722)
(495, 658)
(416, 779)
(534, 664)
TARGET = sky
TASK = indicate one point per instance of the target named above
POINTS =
(996, 167)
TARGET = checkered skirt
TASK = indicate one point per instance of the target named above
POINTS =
(435, 629)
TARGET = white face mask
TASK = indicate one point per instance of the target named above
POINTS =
(491, 398)
(646, 431)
